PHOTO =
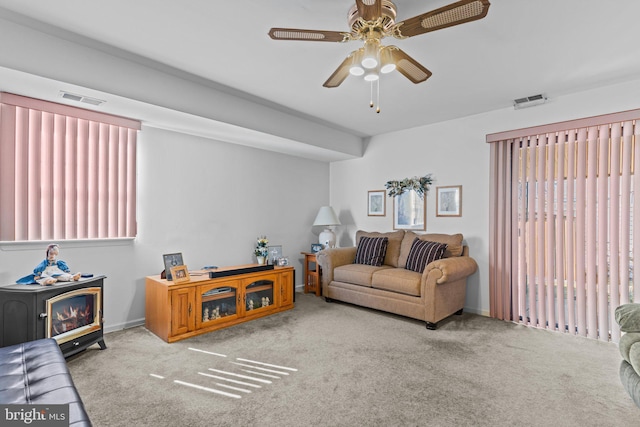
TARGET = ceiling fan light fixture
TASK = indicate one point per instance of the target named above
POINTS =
(387, 63)
(371, 76)
(370, 57)
(356, 58)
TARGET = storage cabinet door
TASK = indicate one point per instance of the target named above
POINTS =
(259, 294)
(286, 288)
(182, 316)
(217, 303)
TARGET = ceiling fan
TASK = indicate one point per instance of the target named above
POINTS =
(373, 20)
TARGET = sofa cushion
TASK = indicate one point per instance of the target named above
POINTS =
(422, 253)
(629, 346)
(628, 317)
(358, 274)
(371, 251)
(393, 245)
(453, 242)
(397, 280)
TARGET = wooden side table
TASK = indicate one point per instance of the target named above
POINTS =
(311, 275)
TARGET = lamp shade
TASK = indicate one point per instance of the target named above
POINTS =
(326, 216)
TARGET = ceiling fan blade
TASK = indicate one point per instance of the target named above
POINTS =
(308, 35)
(447, 16)
(340, 74)
(409, 67)
(369, 10)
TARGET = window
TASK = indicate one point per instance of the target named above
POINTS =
(65, 173)
(562, 236)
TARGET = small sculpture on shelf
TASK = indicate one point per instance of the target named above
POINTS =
(250, 304)
(205, 314)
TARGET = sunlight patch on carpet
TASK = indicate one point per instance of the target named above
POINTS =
(229, 380)
(253, 377)
(211, 390)
(267, 364)
(207, 352)
(261, 369)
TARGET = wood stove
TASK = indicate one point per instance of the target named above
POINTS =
(69, 312)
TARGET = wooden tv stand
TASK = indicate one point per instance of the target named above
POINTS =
(177, 311)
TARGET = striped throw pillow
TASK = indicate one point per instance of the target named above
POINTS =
(422, 253)
(371, 251)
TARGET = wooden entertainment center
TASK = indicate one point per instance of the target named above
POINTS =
(175, 311)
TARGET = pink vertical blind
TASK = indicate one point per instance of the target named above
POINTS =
(562, 232)
(65, 172)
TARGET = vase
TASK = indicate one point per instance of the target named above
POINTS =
(261, 260)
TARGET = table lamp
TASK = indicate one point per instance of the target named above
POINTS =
(327, 217)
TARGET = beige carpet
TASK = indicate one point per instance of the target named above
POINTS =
(334, 364)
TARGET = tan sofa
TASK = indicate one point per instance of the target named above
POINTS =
(436, 293)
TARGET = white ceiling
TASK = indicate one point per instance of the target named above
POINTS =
(521, 48)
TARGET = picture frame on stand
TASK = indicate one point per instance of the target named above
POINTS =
(180, 274)
(171, 260)
(275, 253)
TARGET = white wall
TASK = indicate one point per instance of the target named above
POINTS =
(456, 153)
(204, 198)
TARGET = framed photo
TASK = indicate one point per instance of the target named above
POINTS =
(376, 205)
(409, 211)
(449, 201)
(316, 247)
(171, 260)
(275, 253)
(180, 273)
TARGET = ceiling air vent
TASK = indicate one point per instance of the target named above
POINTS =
(81, 98)
(529, 101)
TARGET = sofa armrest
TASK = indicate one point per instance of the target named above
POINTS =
(628, 317)
(451, 269)
(328, 259)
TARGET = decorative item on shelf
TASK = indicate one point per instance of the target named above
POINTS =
(171, 260)
(418, 184)
(275, 252)
(283, 261)
(327, 217)
(316, 247)
(180, 274)
(261, 251)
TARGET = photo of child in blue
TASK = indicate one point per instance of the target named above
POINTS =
(52, 269)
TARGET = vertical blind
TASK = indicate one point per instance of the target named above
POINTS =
(562, 224)
(65, 172)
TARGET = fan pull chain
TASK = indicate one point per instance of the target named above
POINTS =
(378, 96)
(371, 96)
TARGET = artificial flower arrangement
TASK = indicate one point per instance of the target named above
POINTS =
(261, 246)
(419, 184)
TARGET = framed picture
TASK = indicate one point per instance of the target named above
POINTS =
(275, 253)
(171, 260)
(180, 273)
(449, 201)
(409, 211)
(377, 203)
(316, 247)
